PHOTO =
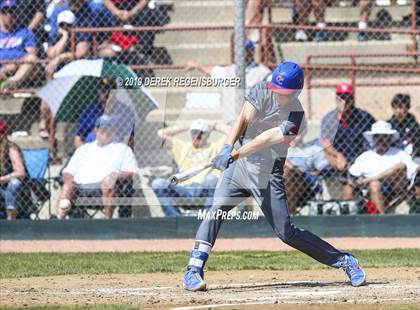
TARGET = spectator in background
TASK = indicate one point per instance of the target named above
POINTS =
(342, 132)
(109, 105)
(384, 169)
(126, 10)
(257, 16)
(128, 13)
(304, 9)
(75, 13)
(12, 174)
(65, 15)
(302, 170)
(15, 44)
(102, 16)
(254, 71)
(189, 155)
(31, 15)
(95, 170)
(59, 50)
(364, 14)
(263, 36)
(406, 124)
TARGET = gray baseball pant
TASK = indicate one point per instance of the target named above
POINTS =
(244, 179)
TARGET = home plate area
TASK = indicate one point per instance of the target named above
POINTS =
(248, 289)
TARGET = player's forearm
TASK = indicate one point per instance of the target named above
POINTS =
(330, 150)
(246, 115)
(58, 48)
(36, 21)
(266, 139)
(237, 129)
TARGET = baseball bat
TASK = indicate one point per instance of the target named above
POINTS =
(185, 175)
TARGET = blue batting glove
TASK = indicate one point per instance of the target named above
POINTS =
(223, 159)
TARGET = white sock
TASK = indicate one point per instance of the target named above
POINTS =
(362, 25)
(204, 248)
(321, 25)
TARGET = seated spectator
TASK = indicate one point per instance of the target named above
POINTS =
(189, 155)
(109, 105)
(102, 16)
(342, 132)
(95, 168)
(15, 44)
(126, 11)
(65, 15)
(302, 170)
(406, 124)
(12, 174)
(263, 36)
(364, 14)
(72, 14)
(31, 15)
(254, 71)
(384, 169)
(132, 12)
(304, 9)
(257, 16)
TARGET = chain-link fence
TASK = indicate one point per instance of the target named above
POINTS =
(154, 79)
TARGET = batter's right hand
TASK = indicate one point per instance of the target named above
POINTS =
(224, 158)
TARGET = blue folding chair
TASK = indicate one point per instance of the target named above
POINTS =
(37, 166)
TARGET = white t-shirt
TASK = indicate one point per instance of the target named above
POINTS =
(91, 163)
(370, 164)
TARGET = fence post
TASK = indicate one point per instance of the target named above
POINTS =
(239, 37)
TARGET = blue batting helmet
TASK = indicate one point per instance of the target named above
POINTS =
(287, 78)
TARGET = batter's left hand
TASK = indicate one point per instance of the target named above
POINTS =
(224, 158)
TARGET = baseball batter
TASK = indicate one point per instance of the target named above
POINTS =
(271, 118)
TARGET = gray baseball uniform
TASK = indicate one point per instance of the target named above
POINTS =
(261, 176)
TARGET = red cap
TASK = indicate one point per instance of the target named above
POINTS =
(344, 89)
(3, 127)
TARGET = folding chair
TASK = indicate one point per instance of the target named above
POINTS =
(90, 206)
(404, 195)
(37, 165)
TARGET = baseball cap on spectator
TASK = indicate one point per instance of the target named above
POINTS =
(199, 125)
(3, 127)
(66, 17)
(105, 122)
(107, 83)
(249, 44)
(344, 89)
(5, 4)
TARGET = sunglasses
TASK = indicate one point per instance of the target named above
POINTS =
(345, 97)
(379, 136)
(64, 25)
(197, 134)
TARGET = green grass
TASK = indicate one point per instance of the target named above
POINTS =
(49, 264)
